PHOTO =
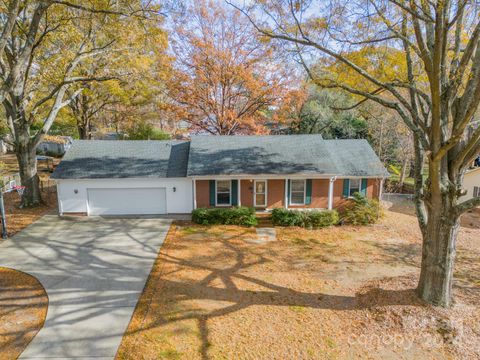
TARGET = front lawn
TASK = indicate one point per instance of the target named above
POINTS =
(23, 308)
(340, 292)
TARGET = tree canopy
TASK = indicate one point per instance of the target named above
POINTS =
(434, 88)
(225, 78)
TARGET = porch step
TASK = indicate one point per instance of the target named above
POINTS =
(264, 220)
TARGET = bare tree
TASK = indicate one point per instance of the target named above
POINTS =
(436, 96)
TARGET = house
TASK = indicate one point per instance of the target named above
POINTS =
(175, 176)
(54, 145)
(471, 183)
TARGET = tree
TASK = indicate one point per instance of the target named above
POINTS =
(140, 70)
(225, 78)
(42, 45)
(436, 97)
(389, 137)
(319, 115)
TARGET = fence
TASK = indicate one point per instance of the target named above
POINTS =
(396, 197)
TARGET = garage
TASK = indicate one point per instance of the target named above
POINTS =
(127, 201)
(128, 177)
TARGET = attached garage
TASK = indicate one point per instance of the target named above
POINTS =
(127, 201)
(102, 177)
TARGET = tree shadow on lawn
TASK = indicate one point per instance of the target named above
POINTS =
(174, 291)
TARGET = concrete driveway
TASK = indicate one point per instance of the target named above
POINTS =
(94, 270)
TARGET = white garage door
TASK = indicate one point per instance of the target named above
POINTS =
(129, 201)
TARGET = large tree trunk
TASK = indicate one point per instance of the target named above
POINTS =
(438, 257)
(83, 131)
(27, 162)
(439, 222)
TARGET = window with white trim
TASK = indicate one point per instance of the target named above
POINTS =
(223, 195)
(354, 186)
(476, 191)
(297, 192)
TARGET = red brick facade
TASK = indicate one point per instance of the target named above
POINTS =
(276, 193)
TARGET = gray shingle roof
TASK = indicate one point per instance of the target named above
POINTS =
(219, 155)
(281, 154)
(100, 159)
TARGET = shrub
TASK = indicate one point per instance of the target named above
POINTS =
(361, 211)
(225, 216)
(320, 219)
(308, 219)
(145, 131)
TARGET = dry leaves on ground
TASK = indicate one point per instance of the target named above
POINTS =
(341, 292)
(23, 308)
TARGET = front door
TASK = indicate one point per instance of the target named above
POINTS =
(260, 195)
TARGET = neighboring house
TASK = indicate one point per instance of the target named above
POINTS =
(471, 182)
(54, 145)
(159, 177)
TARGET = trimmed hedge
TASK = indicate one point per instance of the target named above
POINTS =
(307, 219)
(225, 216)
(361, 211)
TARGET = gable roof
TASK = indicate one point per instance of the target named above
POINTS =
(219, 155)
(282, 154)
(101, 159)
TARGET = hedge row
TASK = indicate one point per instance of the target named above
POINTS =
(360, 211)
(307, 219)
(225, 216)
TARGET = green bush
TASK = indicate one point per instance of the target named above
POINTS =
(318, 219)
(361, 211)
(225, 216)
(307, 219)
(284, 217)
(145, 131)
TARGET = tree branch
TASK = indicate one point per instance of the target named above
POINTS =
(467, 205)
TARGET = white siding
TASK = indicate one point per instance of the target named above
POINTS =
(471, 179)
(72, 194)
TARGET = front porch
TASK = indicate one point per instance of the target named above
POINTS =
(267, 194)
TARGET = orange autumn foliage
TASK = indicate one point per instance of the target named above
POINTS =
(225, 79)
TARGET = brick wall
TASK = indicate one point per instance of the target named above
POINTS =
(276, 193)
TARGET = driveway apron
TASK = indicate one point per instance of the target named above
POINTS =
(93, 270)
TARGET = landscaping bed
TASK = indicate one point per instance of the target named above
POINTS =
(338, 292)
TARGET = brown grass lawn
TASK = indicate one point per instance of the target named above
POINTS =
(18, 219)
(23, 308)
(342, 292)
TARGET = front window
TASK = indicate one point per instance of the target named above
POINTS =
(223, 193)
(297, 192)
(354, 187)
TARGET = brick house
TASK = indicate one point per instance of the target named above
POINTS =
(159, 177)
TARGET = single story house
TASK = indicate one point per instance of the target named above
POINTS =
(103, 177)
(471, 183)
